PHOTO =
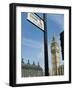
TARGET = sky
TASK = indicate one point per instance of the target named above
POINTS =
(32, 38)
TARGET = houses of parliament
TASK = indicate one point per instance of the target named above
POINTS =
(31, 70)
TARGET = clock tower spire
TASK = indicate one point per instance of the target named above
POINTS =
(55, 53)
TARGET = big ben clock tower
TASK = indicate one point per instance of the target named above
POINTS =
(55, 53)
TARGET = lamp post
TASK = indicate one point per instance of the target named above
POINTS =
(46, 46)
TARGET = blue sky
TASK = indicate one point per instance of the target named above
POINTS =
(32, 39)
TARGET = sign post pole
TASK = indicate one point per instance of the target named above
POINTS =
(46, 45)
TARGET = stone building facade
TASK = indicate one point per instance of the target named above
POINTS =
(61, 70)
(31, 70)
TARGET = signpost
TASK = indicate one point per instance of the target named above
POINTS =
(36, 20)
(46, 46)
(42, 24)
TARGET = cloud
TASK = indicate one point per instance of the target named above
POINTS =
(58, 19)
(31, 43)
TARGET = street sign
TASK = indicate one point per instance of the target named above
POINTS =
(36, 20)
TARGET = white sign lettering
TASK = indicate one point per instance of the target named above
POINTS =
(35, 19)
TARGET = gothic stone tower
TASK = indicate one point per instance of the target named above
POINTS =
(55, 53)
